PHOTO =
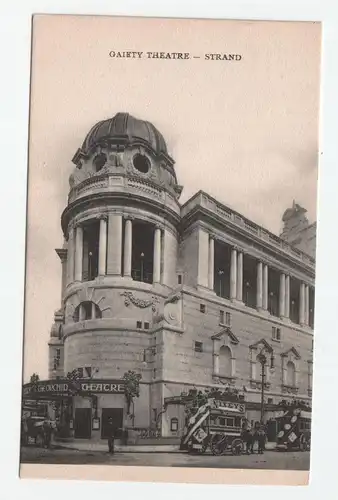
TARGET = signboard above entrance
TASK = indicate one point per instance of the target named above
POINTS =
(66, 387)
(226, 405)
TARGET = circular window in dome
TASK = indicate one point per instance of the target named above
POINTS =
(99, 161)
(141, 163)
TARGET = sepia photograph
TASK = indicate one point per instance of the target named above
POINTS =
(171, 244)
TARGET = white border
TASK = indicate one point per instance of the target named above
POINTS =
(15, 75)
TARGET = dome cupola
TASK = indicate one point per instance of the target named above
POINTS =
(125, 146)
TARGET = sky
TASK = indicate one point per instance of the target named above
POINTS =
(246, 132)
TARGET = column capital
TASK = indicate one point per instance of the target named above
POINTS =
(128, 217)
(102, 217)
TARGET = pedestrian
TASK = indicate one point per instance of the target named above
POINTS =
(47, 434)
(111, 442)
(246, 436)
(261, 440)
(252, 440)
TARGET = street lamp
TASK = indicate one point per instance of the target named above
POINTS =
(220, 274)
(152, 350)
(247, 291)
(262, 359)
(90, 255)
(142, 264)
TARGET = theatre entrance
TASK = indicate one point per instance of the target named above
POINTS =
(112, 419)
(83, 423)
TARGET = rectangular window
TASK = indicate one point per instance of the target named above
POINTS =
(221, 317)
(227, 319)
(174, 424)
(138, 324)
(179, 279)
(198, 346)
(202, 308)
(276, 333)
(230, 422)
(146, 325)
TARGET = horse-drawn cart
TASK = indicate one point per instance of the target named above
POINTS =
(216, 425)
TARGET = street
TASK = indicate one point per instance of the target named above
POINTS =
(269, 460)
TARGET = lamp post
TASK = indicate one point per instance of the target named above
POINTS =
(262, 358)
(247, 289)
(152, 350)
(220, 274)
(90, 255)
(142, 265)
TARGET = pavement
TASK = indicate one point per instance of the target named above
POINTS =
(85, 445)
(271, 459)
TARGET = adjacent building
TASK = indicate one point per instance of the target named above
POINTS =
(186, 295)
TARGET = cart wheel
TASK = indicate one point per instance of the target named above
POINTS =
(218, 444)
(237, 446)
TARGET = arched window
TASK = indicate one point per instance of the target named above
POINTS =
(87, 310)
(290, 374)
(225, 361)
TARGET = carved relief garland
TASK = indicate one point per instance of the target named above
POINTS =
(142, 303)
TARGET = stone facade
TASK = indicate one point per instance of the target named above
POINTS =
(186, 295)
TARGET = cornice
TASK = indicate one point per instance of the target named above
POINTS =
(110, 199)
(230, 231)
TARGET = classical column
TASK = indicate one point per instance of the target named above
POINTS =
(211, 263)
(114, 256)
(81, 313)
(93, 310)
(216, 363)
(282, 295)
(70, 256)
(287, 297)
(307, 305)
(302, 304)
(284, 371)
(103, 245)
(265, 286)
(233, 274)
(157, 256)
(78, 253)
(202, 257)
(259, 293)
(240, 276)
(128, 238)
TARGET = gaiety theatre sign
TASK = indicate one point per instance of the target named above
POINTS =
(65, 387)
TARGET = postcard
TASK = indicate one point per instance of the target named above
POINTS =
(171, 250)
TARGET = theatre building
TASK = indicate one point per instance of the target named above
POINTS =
(186, 295)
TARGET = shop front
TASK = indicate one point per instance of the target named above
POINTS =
(82, 409)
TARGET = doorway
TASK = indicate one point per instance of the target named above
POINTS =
(271, 430)
(83, 423)
(112, 419)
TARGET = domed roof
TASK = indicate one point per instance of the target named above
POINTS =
(296, 210)
(127, 128)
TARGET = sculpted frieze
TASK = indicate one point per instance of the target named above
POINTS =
(130, 298)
